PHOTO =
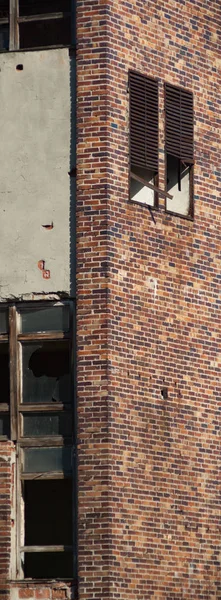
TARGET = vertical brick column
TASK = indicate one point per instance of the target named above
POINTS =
(93, 531)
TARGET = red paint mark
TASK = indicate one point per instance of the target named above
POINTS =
(46, 274)
(41, 265)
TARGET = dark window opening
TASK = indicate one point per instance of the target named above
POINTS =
(48, 565)
(36, 24)
(46, 369)
(36, 34)
(48, 512)
(4, 37)
(38, 7)
(4, 375)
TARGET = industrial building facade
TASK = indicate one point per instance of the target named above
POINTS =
(110, 298)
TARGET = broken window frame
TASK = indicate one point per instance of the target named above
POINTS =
(14, 20)
(15, 338)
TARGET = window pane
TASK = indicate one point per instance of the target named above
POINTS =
(4, 374)
(38, 7)
(46, 372)
(43, 460)
(48, 512)
(4, 424)
(47, 424)
(4, 9)
(53, 318)
(3, 313)
(48, 565)
(38, 34)
(178, 185)
(4, 37)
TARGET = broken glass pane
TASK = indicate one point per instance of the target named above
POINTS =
(48, 512)
(47, 424)
(4, 424)
(46, 372)
(4, 374)
(52, 318)
(43, 460)
(4, 37)
(3, 313)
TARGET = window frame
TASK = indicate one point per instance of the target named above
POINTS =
(16, 408)
(14, 20)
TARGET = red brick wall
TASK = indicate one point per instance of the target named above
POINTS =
(148, 316)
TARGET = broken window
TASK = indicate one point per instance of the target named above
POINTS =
(36, 404)
(143, 139)
(4, 25)
(35, 23)
(179, 150)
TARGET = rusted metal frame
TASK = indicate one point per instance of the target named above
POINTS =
(45, 442)
(38, 408)
(43, 336)
(43, 17)
(149, 185)
(13, 371)
(61, 548)
(13, 25)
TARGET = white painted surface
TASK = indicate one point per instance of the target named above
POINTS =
(34, 165)
(139, 192)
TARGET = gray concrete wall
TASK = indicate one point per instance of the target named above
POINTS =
(34, 163)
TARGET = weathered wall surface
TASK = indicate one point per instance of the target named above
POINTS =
(162, 526)
(35, 161)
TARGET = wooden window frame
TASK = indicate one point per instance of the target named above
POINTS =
(16, 408)
(15, 20)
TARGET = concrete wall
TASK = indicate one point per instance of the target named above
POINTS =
(35, 101)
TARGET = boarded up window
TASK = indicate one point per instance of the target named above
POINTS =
(179, 150)
(143, 138)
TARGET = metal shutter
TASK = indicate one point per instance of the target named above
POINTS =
(143, 121)
(179, 123)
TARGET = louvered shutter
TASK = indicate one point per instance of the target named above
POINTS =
(179, 123)
(143, 121)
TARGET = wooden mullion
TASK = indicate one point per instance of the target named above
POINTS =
(39, 408)
(4, 21)
(13, 25)
(4, 408)
(60, 548)
(13, 371)
(44, 442)
(43, 17)
(3, 338)
(44, 336)
(46, 475)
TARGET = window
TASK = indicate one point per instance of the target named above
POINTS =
(36, 410)
(143, 138)
(34, 23)
(179, 150)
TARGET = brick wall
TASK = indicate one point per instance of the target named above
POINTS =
(148, 315)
